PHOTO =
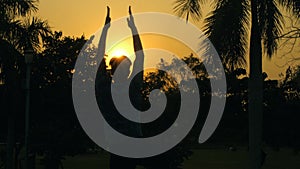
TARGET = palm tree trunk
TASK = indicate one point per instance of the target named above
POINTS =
(255, 91)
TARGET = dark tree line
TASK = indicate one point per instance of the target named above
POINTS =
(56, 133)
(54, 130)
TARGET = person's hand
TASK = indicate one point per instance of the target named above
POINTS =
(130, 13)
(130, 20)
(108, 19)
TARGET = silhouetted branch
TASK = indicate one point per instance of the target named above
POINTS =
(293, 30)
(289, 41)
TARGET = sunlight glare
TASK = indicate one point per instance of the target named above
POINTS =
(119, 53)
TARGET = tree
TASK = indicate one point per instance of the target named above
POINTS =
(227, 27)
(188, 7)
(11, 92)
(291, 92)
(290, 40)
(16, 34)
(11, 62)
(10, 11)
(55, 130)
(31, 33)
(162, 80)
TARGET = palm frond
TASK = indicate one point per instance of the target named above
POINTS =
(12, 8)
(270, 21)
(9, 29)
(32, 32)
(188, 8)
(227, 28)
(291, 5)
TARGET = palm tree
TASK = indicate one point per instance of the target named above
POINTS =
(227, 27)
(10, 30)
(20, 35)
(30, 33)
(10, 10)
(14, 37)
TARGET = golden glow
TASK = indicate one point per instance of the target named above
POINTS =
(119, 52)
(76, 17)
(123, 48)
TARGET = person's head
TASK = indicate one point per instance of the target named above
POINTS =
(115, 63)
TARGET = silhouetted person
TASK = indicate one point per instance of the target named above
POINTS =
(103, 88)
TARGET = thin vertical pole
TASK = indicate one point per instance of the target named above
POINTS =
(27, 115)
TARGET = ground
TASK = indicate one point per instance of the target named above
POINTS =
(201, 159)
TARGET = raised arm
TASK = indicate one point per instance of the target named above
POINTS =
(102, 76)
(102, 42)
(138, 48)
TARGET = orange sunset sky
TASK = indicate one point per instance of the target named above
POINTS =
(77, 17)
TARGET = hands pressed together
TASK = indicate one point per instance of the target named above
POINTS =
(108, 19)
(130, 20)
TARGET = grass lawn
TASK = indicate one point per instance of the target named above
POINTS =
(201, 159)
